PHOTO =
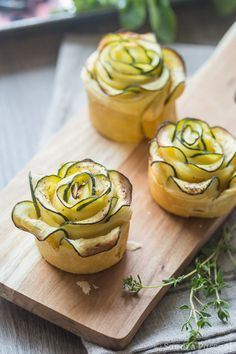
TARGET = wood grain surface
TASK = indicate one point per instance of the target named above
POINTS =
(108, 316)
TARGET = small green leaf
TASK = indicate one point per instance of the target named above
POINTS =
(162, 20)
(223, 315)
(81, 5)
(205, 314)
(184, 307)
(225, 7)
(132, 14)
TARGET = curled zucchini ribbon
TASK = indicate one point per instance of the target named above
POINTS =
(192, 169)
(79, 216)
(132, 84)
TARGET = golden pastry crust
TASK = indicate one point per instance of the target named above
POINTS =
(102, 259)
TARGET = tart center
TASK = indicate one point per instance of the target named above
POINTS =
(78, 189)
(190, 137)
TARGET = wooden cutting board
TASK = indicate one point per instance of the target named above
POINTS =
(108, 316)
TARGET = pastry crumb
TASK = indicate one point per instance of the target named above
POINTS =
(133, 245)
(86, 287)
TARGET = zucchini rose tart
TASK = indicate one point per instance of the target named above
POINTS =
(192, 169)
(80, 216)
(132, 84)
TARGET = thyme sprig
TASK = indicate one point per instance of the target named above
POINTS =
(206, 284)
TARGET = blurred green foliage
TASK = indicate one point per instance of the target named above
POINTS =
(161, 17)
(225, 7)
(159, 13)
(134, 13)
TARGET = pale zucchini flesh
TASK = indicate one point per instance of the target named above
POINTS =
(82, 212)
(192, 168)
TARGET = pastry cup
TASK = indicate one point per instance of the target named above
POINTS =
(79, 216)
(192, 169)
(132, 85)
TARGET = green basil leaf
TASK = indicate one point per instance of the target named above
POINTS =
(132, 14)
(162, 20)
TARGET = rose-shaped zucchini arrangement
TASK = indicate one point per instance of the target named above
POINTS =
(132, 85)
(192, 169)
(79, 216)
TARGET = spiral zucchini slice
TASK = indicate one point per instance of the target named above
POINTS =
(132, 84)
(192, 169)
(79, 216)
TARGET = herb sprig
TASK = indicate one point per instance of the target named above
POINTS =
(206, 284)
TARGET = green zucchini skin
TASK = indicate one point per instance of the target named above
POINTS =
(33, 195)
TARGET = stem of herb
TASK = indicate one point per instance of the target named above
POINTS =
(206, 281)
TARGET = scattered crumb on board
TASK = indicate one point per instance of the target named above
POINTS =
(133, 245)
(86, 287)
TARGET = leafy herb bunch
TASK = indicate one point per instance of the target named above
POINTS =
(206, 283)
(159, 13)
(134, 13)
